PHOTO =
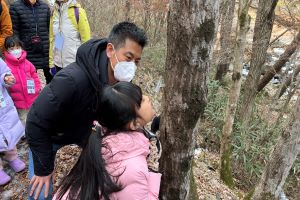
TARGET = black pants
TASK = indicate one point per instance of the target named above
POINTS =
(47, 75)
(58, 68)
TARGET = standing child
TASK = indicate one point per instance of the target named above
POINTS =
(27, 86)
(11, 128)
(115, 162)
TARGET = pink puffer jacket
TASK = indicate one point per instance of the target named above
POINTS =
(23, 70)
(127, 156)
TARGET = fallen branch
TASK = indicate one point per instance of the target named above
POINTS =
(279, 36)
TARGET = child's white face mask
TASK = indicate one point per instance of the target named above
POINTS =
(15, 53)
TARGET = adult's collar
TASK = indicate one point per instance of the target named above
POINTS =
(103, 68)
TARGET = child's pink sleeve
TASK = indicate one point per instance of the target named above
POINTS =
(35, 77)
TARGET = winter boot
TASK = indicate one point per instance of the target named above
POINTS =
(17, 165)
(4, 178)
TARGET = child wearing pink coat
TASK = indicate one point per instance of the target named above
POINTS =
(27, 86)
(117, 162)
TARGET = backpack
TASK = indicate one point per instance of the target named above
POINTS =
(76, 13)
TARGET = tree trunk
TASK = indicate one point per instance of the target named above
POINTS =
(280, 63)
(161, 20)
(127, 10)
(226, 18)
(261, 38)
(190, 37)
(226, 147)
(286, 104)
(281, 160)
(146, 15)
(288, 81)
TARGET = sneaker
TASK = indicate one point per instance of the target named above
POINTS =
(4, 178)
(17, 165)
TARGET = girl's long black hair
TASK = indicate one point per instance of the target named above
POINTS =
(89, 178)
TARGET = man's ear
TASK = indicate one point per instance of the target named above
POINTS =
(110, 50)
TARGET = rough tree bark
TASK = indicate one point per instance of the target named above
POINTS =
(281, 160)
(226, 147)
(226, 18)
(147, 15)
(127, 10)
(190, 37)
(291, 48)
(261, 38)
(284, 108)
(161, 21)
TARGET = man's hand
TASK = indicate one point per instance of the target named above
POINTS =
(9, 79)
(37, 183)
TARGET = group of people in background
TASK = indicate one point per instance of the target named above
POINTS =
(31, 38)
(88, 82)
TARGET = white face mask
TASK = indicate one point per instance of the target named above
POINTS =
(124, 71)
(16, 53)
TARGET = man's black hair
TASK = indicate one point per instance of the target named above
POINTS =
(127, 30)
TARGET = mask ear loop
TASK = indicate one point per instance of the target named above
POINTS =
(113, 67)
(115, 53)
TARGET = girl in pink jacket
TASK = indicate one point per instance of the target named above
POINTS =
(27, 86)
(114, 163)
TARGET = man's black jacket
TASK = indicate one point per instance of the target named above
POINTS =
(64, 111)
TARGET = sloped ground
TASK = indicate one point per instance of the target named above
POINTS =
(209, 186)
(207, 177)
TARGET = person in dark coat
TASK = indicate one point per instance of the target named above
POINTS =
(31, 20)
(5, 24)
(65, 110)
